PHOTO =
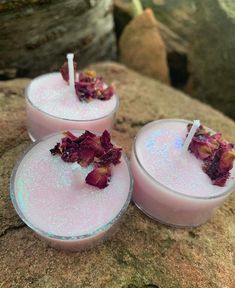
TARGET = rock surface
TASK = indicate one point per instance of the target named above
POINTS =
(142, 48)
(176, 15)
(212, 59)
(143, 253)
(206, 30)
(37, 34)
(174, 23)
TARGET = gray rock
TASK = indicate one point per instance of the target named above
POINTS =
(36, 35)
(212, 61)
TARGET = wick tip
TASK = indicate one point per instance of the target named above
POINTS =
(197, 123)
(70, 56)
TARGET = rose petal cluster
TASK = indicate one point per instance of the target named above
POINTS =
(88, 86)
(90, 149)
(217, 154)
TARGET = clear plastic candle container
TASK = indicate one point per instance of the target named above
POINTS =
(53, 106)
(57, 204)
(168, 186)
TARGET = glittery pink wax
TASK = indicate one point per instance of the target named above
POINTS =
(51, 196)
(168, 186)
(52, 106)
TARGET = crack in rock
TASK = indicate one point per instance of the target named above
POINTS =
(12, 228)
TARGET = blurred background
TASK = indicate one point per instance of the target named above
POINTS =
(188, 44)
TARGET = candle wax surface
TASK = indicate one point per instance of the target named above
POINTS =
(159, 149)
(52, 95)
(53, 199)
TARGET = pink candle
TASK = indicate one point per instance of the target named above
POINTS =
(59, 206)
(170, 186)
(53, 106)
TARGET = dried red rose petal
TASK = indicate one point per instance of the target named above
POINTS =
(106, 93)
(113, 156)
(64, 70)
(99, 177)
(70, 155)
(200, 148)
(86, 156)
(92, 143)
(89, 87)
(217, 154)
(56, 150)
(227, 158)
(90, 149)
(201, 145)
(70, 135)
(221, 180)
(105, 140)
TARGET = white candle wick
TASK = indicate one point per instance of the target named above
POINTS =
(71, 69)
(77, 174)
(196, 125)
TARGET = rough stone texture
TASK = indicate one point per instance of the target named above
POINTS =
(176, 45)
(142, 48)
(212, 54)
(176, 15)
(37, 34)
(207, 28)
(142, 252)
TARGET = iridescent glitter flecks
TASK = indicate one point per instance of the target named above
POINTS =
(50, 200)
(159, 150)
(50, 94)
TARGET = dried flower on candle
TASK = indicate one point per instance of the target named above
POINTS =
(90, 149)
(99, 177)
(218, 166)
(112, 156)
(56, 149)
(89, 87)
(105, 140)
(217, 154)
(64, 70)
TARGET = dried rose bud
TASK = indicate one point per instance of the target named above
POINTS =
(89, 87)
(216, 140)
(204, 144)
(201, 149)
(216, 152)
(64, 70)
(227, 158)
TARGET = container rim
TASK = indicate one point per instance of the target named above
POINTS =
(61, 118)
(59, 237)
(152, 123)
